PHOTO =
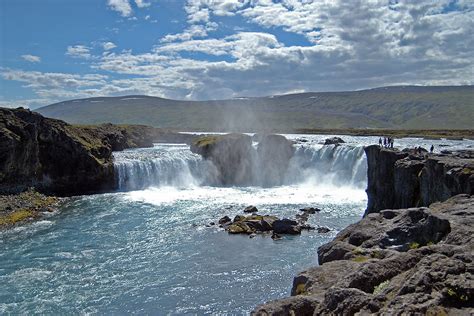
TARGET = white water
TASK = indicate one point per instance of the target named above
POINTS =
(175, 166)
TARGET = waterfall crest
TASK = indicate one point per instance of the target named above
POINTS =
(175, 165)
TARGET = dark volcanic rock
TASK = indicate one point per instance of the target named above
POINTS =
(232, 154)
(250, 209)
(239, 163)
(334, 141)
(405, 179)
(286, 226)
(58, 158)
(274, 154)
(396, 262)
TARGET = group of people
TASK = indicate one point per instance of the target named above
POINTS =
(387, 142)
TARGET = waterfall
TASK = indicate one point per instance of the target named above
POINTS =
(332, 165)
(175, 165)
(162, 165)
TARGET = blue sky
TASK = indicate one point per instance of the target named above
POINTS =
(54, 50)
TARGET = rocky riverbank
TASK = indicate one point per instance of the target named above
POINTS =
(24, 207)
(62, 159)
(407, 261)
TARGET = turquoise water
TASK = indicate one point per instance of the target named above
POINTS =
(118, 253)
(148, 251)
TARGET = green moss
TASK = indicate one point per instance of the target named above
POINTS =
(15, 217)
(377, 254)
(205, 140)
(382, 286)
(301, 289)
(360, 259)
(358, 251)
(414, 245)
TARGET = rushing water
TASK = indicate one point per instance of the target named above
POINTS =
(147, 250)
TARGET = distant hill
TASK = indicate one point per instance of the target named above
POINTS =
(401, 107)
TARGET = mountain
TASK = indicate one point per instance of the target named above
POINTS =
(399, 107)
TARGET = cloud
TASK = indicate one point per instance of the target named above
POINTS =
(108, 45)
(121, 6)
(79, 51)
(341, 45)
(142, 4)
(31, 58)
(191, 32)
(125, 8)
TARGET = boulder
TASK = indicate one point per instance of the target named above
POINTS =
(286, 226)
(250, 209)
(224, 220)
(310, 210)
(334, 141)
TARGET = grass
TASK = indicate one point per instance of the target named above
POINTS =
(360, 259)
(414, 245)
(392, 108)
(382, 286)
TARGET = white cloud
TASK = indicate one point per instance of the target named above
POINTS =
(31, 58)
(194, 31)
(78, 51)
(341, 46)
(142, 4)
(108, 45)
(121, 6)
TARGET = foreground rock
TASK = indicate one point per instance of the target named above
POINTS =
(401, 179)
(58, 158)
(26, 206)
(396, 262)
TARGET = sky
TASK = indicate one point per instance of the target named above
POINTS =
(55, 50)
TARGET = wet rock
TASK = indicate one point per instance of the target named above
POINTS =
(286, 226)
(323, 230)
(310, 210)
(275, 236)
(240, 228)
(239, 218)
(224, 220)
(250, 209)
(334, 141)
(307, 227)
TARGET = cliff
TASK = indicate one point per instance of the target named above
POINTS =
(239, 163)
(402, 179)
(408, 261)
(58, 158)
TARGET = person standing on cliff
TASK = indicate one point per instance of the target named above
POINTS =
(380, 141)
(391, 142)
(431, 148)
(385, 142)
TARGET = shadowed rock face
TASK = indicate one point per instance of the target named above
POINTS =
(55, 157)
(400, 179)
(239, 163)
(395, 262)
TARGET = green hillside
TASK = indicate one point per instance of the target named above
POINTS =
(404, 107)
